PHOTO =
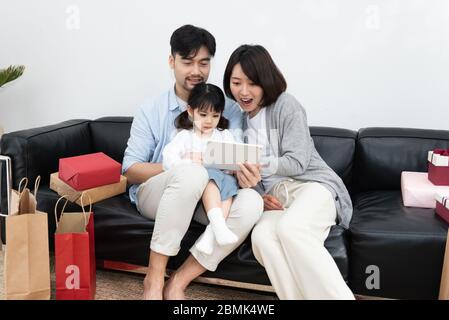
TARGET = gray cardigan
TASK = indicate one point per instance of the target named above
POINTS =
(296, 156)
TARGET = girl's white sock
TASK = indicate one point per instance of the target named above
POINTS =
(206, 243)
(222, 233)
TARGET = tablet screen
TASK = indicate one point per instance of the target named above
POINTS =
(227, 155)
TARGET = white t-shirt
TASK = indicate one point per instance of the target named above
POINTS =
(257, 134)
(188, 141)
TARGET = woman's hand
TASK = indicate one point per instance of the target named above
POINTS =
(271, 203)
(249, 175)
(196, 157)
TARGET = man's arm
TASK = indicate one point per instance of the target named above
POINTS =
(140, 172)
(140, 149)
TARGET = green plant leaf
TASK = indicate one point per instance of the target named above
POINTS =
(11, 73)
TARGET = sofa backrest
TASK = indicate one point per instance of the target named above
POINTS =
(36, 152)
(383, 153)
(371, 159)
(336, 146)
(110, 135)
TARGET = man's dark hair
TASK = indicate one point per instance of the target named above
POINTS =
(260, 68)
(188, 39)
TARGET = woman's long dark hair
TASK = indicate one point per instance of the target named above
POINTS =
(204, 97)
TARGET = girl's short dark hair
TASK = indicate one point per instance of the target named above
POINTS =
(260, 68)
(204, 97)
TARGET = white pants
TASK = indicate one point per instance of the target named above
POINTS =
(290, 243)
(170, 198)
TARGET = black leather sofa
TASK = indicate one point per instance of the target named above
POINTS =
(405, 244)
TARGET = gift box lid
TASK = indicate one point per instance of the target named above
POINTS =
(439, 160)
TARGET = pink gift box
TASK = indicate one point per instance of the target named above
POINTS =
(418, 191)
(439, 167)
(442, 208)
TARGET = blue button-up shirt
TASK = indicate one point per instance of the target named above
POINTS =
(153, 128)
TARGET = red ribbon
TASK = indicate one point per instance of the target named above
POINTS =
(442, 152)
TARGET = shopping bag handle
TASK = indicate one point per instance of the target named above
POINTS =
(24, 184)
(24, 180)
(65, 204)
(36, 185)
(82, 206)
(63, 208)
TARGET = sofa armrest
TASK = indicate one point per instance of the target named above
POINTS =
(37, 151)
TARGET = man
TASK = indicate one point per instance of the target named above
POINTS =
(171, 197)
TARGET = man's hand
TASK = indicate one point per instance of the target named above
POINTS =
(271, 203)
(196, 157)
(249, 175)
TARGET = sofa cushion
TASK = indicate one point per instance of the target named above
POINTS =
(383, 153)
(406, 244)
(122, 234)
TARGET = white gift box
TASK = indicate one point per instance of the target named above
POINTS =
(418, 191)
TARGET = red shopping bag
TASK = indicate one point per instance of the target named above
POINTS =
(75, 254)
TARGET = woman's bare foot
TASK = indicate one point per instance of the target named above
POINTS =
(173, 291)
(152, 290)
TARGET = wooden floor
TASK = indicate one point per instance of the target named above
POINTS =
(127, 284)
(119, 285)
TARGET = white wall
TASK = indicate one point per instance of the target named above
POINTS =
(351, 63)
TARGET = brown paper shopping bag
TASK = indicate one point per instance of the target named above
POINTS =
(27, 260)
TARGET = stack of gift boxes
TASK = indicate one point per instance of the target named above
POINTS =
(431, 189)
(95, 174)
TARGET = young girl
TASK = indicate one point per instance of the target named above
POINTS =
(201, 122)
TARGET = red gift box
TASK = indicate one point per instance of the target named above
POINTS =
(439, 167)
(75, 265)
(442, 208)
(89, 171)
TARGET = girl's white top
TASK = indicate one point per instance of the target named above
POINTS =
(187, 141)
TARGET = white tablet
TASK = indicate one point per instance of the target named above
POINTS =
(227, 155)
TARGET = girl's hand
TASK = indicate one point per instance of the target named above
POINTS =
(249, 175)
(271, 203)
(196, 157)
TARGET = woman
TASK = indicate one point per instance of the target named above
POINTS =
(303, 197)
